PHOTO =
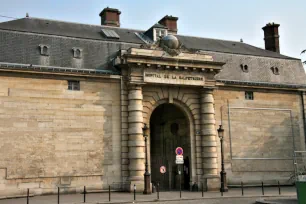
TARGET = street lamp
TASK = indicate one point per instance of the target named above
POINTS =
(147, 175)
(223, 187)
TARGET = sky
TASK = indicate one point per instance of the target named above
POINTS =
(220, 19)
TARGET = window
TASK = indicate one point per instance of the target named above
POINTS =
(159, 33)
(249, 95)
(110, 33)
(77, 52)
(74, 85)
(244, 68)
(275, 70)
(44, 50)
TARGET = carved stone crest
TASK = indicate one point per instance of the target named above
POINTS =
(169, 44)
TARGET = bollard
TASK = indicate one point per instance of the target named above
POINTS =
(153, 188)
(84, 194)
(279, 189)
(202, 190)
(28, 194)
(109, 194)
(262, 188)
(242, 193)
(157, 191)
(58, 195)
(221, 189)
(134, 192)
(180, 184)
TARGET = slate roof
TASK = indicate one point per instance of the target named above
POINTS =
(84, 31)
(225, 46)
(68, 29)
(19, 40)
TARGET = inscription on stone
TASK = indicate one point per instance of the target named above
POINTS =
(174, 78)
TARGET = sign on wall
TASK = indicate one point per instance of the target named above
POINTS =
(179, 159)
(174, 77)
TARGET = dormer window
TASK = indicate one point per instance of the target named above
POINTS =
(244, 67)
(275, 70)
(44, 49)
(77, 53)
(159, 33)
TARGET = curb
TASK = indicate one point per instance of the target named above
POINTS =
(263, 201)
(15, 196)
(258, 201)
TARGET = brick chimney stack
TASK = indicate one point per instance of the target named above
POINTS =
(110, 17)
(271, 37)
(170, 22)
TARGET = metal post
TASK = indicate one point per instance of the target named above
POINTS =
(84, 194)
(109, 194)
(223, 187)
(157, 191)
(262, 188)
(180, 183)
(242, 191)
(147, 175)
(134, 192)
(202, 189)
(279, 189)
(58, 195)
(28, 194)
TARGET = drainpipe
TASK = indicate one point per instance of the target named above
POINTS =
(303, 110)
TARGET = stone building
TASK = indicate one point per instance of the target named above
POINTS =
(74, 99)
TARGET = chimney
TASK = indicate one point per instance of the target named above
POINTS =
(271, 37)
(110, 17)
(170, 22)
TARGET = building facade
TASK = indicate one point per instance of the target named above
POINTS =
(74, 99)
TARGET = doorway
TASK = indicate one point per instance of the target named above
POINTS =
(170, 129)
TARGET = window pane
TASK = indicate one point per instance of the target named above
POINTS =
(74, 85)
(249, 95)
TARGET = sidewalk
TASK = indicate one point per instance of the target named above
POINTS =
(163, 196)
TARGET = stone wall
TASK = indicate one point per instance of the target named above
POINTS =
(259, 133)
(51, 136)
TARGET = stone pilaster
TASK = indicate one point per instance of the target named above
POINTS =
(136, 142)
(209, 144)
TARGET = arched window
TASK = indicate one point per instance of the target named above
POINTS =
(244, 67)
(275, 70)
(44, 49)
(77, 52)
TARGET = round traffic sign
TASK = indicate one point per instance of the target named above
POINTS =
(179, 151)
(162, 169)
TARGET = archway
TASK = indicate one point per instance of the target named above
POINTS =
(169, 128)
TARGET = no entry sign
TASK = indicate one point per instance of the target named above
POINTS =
(179, 151)
(162, 169)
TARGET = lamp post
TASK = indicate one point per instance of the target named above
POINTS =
(223, 187)
(147, 175)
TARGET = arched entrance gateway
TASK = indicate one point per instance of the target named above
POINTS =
(169, 129)
(170, 90)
